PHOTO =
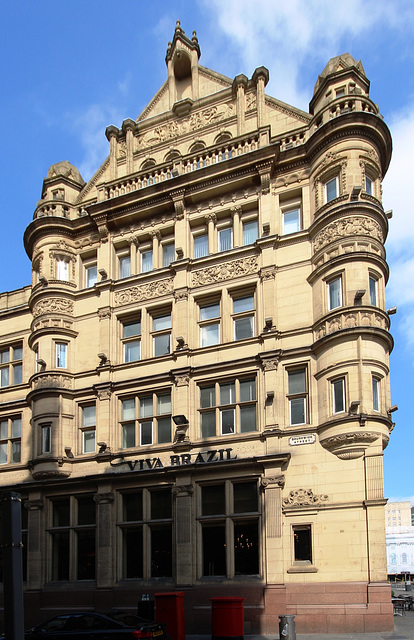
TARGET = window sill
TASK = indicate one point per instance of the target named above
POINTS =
(302, 567)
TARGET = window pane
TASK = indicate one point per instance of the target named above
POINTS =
(208, 424)
(200, 246)
(4, 377)
(164, 403)
(131, 329)
(60, 556)
(4, 429)
(161, 322)
(338, 396)
(132, 351)
(375, 394)
(89, 416)
(46, 439)
(61, 513)
(17, 353)
(132, 506)
(213, 500)
(246, 548)
(250, 232)
(331, 189)
(61, 355)
(297, 411)
(247, 390)
(207, 397)
(302, 544)
(128, 435)
(227, 393)
(4, 356)
(17, 374)
(146, 261)
(210, 311)
(210, 335)
(248, 419)
(214, 551)
(161, 504)
(86, 555)
(162, 345)
(168, 254)
(128, 409)
(243, 304)
(245, 497)
(373, 291)
(145, 407)
(3, 453)
(164, 430)
(335, 293)
(161, 551)
(86, 510)
(16, 428)
(132, 553)
(368, 185)
(225, 239)
(297, 381)
(227, 421)
(124, 267)
(291, 221)
(88, 441)
(16, 451)
(243, 328)
(146, 433)
(91, 276)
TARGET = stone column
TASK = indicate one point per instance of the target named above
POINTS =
(237, 230)
(272, 487)
(183, 529)
(261, 78)
(239, 92)
(211, 221)
(156, 237)
(128, 127)
(104, 547)
(112, 135)
(35, 544)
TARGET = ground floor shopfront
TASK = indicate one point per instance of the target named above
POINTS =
(209, 524)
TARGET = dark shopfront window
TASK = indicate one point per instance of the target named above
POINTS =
(73, 533)
(146, 530)
(230, 529)
(24, 521)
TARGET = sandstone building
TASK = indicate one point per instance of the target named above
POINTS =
(195, 386)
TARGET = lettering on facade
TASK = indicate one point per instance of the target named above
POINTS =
(305, 439)
(179, 460)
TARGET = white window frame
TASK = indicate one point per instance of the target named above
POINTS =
(150, 266)
(298, 221)
(221, 242)
(46, 438)
(330, 284)
(209, 321)
(300, 395)
(249, 221)
(165, 250)
(132, 339)
(88, 427)
(326, 187)
(369, 186)
(124, 265)
(376, 386)
(62, 270)
(61, 351)
(91, 278)
(197, 236)
(158, 333)
(373, 290)
(247, 314)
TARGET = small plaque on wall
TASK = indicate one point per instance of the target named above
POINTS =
(308, 438)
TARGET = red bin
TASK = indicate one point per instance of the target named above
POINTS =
(169, 608)
(227, 618)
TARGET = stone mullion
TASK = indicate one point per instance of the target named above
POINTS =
(104, 542)
(183, 530)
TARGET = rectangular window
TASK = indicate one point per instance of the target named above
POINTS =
(238, 516)
(302, 543)
(46, 438)
(225, 239)
(11, 365)
(373, 284)
(124, 266)
(250, 232)
(291, 221)
(228, 407)
(209, 324)
(161, 329)
(201, 245)
(146, 419)
(335, 293)
(61, 355)
(375, 394)
(91, 275)
(338, 395)
(10, 440)
(368, 185)
(332, 189)
(146, 527)
(73, 533)
(88, 429)
(168, 254)
(131, 340)
(297, 395)
(243, 319)
(146, 261)
(62, 270)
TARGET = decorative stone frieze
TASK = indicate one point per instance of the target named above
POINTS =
(53, 305)
(52, 381)
(142, 292)
(304, 498)
(347, 227)
(349, 320)
(226, 271)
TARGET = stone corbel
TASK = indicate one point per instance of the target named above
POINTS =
(265, 170)
(179, 203)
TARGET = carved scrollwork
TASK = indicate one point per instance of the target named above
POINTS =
(144, 292)
(272, 482)
(356, 225)
(304, 498)
(226, 271)
(50, 380)
(104, 498)
(184, 489)
(53, 305)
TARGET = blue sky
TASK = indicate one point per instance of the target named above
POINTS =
(70, 69)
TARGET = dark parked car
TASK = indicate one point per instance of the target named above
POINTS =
(96, 626)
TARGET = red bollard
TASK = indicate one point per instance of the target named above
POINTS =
(227, 618)
(169, 608)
